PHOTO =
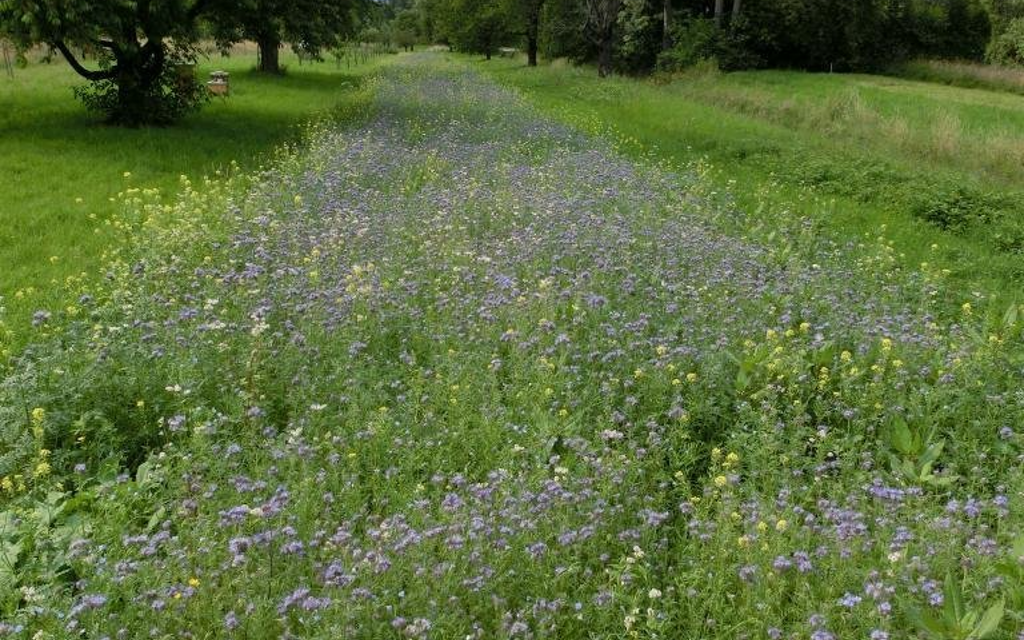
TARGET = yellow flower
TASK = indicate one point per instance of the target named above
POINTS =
(691, 377)
(743, 541)
(38, 414)
(886, 344)
(193, 582)
(732, 458)
(966, 308)
(721, 481)
(42, 469)
(6, 484)
(846, 356)
(805, 327)
(762, 526)
(781, 525)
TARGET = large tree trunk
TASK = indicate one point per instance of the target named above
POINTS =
(137, 76)
(735, 9)
(604, 55)
(531, 42)
(666, 25)
(532, 30)
(719, 12)
(269, 51)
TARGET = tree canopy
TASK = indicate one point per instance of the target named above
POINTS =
(138, 45)
(142, 50)
(308, 25)
(635, 36)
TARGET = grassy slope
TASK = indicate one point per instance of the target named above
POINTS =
(813, 142)
(53, 153)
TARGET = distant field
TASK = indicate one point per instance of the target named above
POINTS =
(934, 164)
(60, 167)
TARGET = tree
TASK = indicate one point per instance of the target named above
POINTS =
(404, 28)
(601, 18)
(477, 26)
(308, 25)
(140, 45)
(526, 15)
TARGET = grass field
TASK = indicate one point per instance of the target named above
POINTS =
(931, 164)
(61, 169)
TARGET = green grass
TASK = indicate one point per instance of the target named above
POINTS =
(60, 166)
(862, 154)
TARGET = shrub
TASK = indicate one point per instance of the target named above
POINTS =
(694, 40)
(1008, 47)
(953, 208)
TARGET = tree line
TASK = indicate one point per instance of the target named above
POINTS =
(638, 36)
(137, 54)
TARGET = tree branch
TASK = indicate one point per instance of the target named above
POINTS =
(88, 74)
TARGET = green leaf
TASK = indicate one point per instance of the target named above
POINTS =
(902, 439)
(928, 623)
(954, 597)
(989, 622)
(9, 554)
(156, 519)
(144, 473)
(1010, 317)
(1018, 547)
(932, 453)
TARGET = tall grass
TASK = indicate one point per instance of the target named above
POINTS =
(972, 75)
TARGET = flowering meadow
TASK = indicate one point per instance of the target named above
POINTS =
(461, 371)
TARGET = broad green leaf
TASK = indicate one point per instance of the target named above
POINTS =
(989, 622)
(954, 597)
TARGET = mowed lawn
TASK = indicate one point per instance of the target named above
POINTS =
(61, 168)
(862, 155)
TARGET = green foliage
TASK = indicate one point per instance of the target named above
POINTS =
(308, 25)
(137, 45)
(638, 40)
(958, 620)
(694, 40)
(1007, 48)
(953, 207)
(476, 26)
(175, 93)
(916, 453)
(405, 28)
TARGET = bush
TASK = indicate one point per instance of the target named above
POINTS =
(693, 41)
(1008, 47)
(955, 209)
